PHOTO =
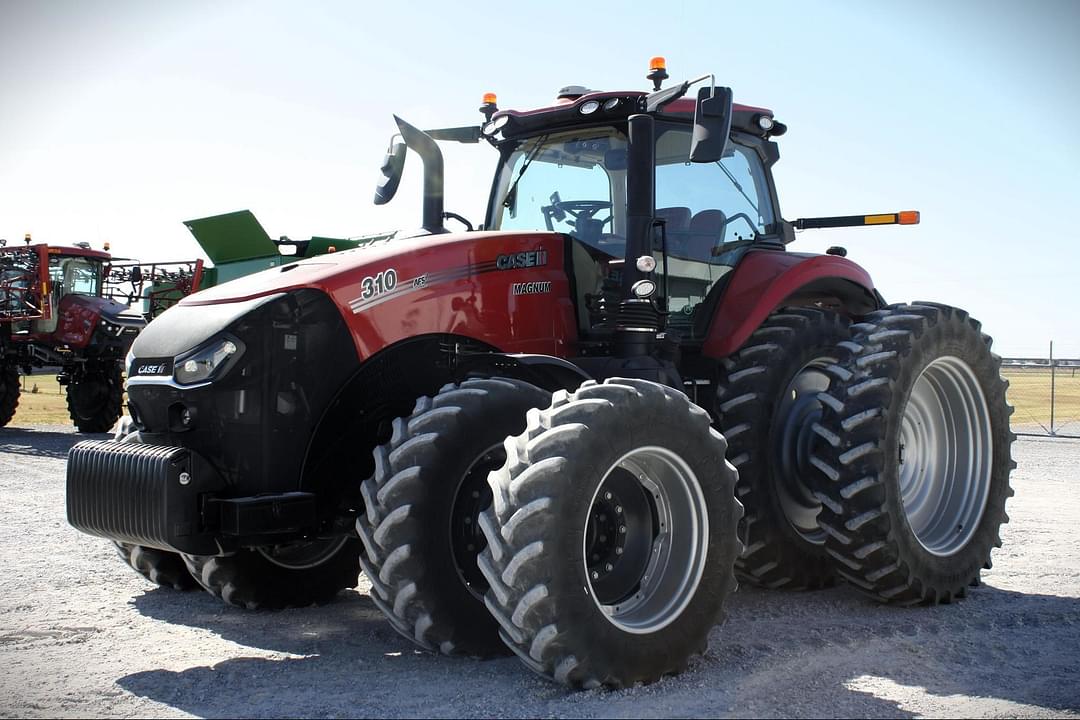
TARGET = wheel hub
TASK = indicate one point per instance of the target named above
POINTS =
(302, 555)
(944, 456)
(793, 437)
(664, 545)
(473, 497)
(619, 538)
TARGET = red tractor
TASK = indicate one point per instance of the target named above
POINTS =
(52, 313)
(567, 431)
(68, 307)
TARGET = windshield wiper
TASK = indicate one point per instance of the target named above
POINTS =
(508, 199)
(738, 187)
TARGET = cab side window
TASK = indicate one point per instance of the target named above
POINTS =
(714, 211)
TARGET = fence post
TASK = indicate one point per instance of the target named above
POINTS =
(1052, 433)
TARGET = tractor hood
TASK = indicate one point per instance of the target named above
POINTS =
(432, 256)
(507, 289)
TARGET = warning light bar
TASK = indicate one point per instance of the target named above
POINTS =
(905, 217)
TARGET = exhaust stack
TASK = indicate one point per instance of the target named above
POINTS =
(424, 146)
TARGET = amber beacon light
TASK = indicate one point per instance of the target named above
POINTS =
(657, 71)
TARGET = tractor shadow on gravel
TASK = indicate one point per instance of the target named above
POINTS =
(830, 653)
(42, 443)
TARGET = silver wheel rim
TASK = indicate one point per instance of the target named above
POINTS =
(945, 456)
(303, 555)
(793, 438)
(679, 545)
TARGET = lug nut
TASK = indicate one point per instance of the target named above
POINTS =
(618, 509)
(622, 529)
(618, 551)
(595, 575)
(609, 567)
(607, 496)
(185, 478)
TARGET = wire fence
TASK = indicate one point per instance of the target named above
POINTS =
(1045, 392)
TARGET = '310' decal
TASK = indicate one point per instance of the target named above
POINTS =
(383, 282)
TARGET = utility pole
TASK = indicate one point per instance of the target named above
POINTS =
(1052, 433)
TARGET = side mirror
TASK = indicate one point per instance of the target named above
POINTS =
(712, 124)
(391, 169)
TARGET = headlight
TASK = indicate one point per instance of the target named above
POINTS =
(206, 362)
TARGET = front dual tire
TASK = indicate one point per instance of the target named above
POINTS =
(612, 535)
(420, 527)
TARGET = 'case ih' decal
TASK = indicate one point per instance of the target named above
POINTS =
(153, 367)
(514, 261)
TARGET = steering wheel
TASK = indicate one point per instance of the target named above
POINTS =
(582, 209)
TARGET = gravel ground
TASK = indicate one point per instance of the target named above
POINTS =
(82, 635)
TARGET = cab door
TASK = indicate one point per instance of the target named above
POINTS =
(712, 214)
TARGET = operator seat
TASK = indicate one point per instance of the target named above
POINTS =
(706, 232)
(678, 218)
(678, 225)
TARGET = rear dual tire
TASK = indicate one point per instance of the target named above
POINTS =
(767, 407)
(294, 575)
(274, 578)
(161, 567)
(915, 453)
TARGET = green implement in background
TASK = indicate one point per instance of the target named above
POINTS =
(237, 245)
(231, 237)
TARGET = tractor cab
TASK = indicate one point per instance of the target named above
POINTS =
(659, 195)
(574, 182)
(70, 275)
(35, 280)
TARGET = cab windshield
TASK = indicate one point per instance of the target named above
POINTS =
(75, 275)
(570, 182)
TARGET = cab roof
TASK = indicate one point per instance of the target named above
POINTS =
(567, 111)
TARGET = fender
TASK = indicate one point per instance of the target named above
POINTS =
(545, 371)
(765, 279)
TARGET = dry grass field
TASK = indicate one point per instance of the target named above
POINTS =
(1029, 392)
(47, 406)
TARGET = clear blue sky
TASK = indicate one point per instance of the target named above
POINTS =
(120, 119)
